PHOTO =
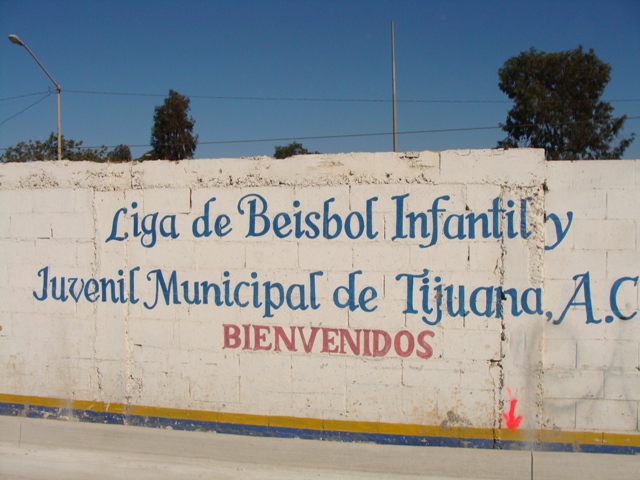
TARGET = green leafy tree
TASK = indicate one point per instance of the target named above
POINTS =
(172, 133)
(557, 105)
(294, 148)
(71, 150)
(48, 150)
(120, 153)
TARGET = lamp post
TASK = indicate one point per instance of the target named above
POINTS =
(15, 39)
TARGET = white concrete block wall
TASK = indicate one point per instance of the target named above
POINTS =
(589, 366)
(571, 376)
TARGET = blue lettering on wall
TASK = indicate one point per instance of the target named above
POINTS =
(328, 224)
(147, 227)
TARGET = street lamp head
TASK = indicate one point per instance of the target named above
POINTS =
(15, 39)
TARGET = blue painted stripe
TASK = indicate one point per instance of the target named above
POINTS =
(35, 411)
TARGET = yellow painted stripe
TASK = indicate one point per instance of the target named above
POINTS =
(347, 426)
(617, 439)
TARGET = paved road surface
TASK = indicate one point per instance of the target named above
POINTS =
(37, 449)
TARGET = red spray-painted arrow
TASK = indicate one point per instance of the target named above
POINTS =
(510, 418)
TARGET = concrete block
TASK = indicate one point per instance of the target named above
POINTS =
(515, 166)
(373, 371)
(199, 336)
(165, 201)
(16, 201)
(607, 415)
(312, 199)
(325, 256)
(152, 333)
(5, 222)
(622, 263)
(485, 256)
(219, 255)
(372, 401)
(319, 406)
(55, 252)
(17, 252)
(559, 354)
(214, 377)
(159, 174)
(4, 275)
(466, 408)
(54, 200)
(565, 264)
(324, 371)
(572, 384)
(272, 256)
(30, 226)
(387, 316)
(452, 257)
(523, 347)
(479, 197)
(477, 375)
(376, 257)
(559, 415)
(604, 235)
(171, 254)
(265, 380)
(622, 386)
(106, 206)
(471, 345)
(420, 406)
(611, 174)
(113, 380)
(584, 204)
(607, 354)
(14, 299)
(359, 194)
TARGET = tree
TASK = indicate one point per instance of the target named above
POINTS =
(48, 150)
(120, 153)
(294, 148)
(71, 150)
(171, 135)
(558, 108)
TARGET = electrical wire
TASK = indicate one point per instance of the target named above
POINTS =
(25, 109)
(292, 99)
(376, 134)
(307, 99)
(314, 137)
(25, 95)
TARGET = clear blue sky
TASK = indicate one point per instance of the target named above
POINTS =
(338, 50)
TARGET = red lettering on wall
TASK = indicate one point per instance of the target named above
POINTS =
(361, 342)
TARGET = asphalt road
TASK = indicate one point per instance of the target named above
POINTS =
(37, 449)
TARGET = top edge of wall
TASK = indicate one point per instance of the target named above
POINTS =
(483, 166)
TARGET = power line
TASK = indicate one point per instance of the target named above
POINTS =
(25, 109)
(308, 99)
(375, 134)
(285, 99)
(290, 99)
(25, 95)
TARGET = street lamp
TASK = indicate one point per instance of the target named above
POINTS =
(15, 39)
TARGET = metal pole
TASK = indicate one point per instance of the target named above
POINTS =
(59, 129)
(393, 86)
(15, 39)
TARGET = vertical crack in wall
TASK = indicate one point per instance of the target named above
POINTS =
(130, 384)
(94, 307)
(497, 363)
(535, 269)
(529, 334)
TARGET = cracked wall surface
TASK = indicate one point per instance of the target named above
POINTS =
(60, 220)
